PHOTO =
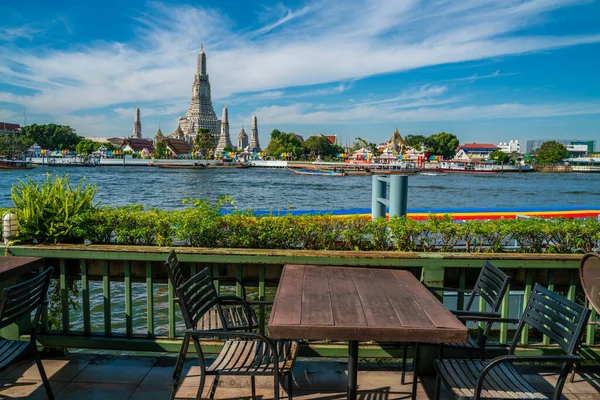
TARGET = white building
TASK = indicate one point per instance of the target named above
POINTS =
(512, 146)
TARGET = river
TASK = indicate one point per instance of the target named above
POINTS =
(279, 189)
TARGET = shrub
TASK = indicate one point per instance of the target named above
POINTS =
(50, 211)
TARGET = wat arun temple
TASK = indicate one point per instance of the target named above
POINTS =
(201, 114)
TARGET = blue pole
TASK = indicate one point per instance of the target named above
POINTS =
(398, 195)
(379, 189)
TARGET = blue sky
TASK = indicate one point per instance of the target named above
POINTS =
(487, 71)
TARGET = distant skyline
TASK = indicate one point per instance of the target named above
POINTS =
(487, 71)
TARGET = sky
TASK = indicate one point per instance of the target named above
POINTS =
(487, 71)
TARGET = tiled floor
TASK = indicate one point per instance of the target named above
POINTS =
(100, 377)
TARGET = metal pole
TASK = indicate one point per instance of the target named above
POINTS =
(378, 189)
(352, 369)
(398, 195)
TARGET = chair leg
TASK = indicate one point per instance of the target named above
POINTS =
(290, 388)
(438, 384)
(201, 386)
(573, 372)
(404, 355)
(253, 386)
(179, 366)
(275, 388)
(38, 361)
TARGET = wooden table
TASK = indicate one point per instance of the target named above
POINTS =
(11, 267)
(359, 304)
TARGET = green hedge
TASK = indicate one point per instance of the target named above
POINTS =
(204, 226)
(53, 212)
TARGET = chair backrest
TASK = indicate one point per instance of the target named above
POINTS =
(589, 272)
(555, 316)
(174, 269)
(196, 297)
(491, 286)
(22, 299)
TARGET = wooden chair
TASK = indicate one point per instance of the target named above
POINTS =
(244, 353)
(562, 320)
(589, 274)
(237, 311)
(18, 302)
(491, 286)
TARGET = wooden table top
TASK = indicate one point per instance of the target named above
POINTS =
(11, 267)
(343, 303)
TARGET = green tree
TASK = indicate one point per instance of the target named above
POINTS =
(52, 136)
(319, 146)
(282, 142)
(551, 152)
(415, 141)
(160, 150)
(13, 145)
(499, 156)
(86, 147)
(443, 144)
(204, 142)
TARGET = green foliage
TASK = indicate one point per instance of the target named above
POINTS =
(199, 226)
(87, 147)
(415, 141)
(443, 144)
(51, 211)
(52, 136)
(551, 152)
(282, 142)
(204, 142)
(319, 146)
(13, 145)
(499, 156)
(160, 150)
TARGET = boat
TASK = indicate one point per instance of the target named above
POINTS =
(475, 167)
(195, 165)
(229, 165)
(15, 164)
(316, 172)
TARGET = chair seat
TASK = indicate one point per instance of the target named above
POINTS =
(253, 357)
(470, 345)
(235, 318)
(503, 381)
(10, 350)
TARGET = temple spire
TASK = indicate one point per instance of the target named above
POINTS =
(201, 67)
(254, 144)
(137, 124)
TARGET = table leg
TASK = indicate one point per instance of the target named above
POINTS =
(352, 368)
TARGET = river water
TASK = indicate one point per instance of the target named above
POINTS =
(279, 189)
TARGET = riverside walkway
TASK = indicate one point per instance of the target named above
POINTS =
(100, 377)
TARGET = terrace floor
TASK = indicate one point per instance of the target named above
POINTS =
(98, 377)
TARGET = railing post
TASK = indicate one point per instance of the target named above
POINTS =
(379, 189)
(398, 195)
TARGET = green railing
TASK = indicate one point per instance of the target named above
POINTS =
(123, 302)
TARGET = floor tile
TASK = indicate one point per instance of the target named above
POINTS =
(56, 369)
(27, 389)
(96, 391)
(116, 370)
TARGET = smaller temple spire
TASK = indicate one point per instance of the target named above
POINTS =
(254, 144)
(137, 124)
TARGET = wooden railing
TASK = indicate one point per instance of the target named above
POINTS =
(136, 275)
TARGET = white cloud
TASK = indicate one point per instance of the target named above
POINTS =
(306, 114)
(320, 43)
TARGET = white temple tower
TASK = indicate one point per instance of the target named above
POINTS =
(254, 144)
(137, 125)
(201, 113)
(242, 139)
(224, 139)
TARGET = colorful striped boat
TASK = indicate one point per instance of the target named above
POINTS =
(481, 213)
